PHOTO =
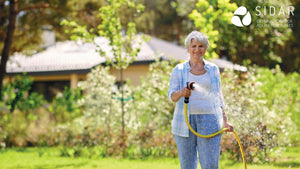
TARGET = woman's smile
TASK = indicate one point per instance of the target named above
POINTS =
(196, 49)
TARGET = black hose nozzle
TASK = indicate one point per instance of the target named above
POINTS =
(190, 86)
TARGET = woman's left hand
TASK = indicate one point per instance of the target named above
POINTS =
(228, 125)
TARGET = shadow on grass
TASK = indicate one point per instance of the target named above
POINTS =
(68, 165)
(289, 164)
(51, 166)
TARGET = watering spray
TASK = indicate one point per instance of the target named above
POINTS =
(190, 86)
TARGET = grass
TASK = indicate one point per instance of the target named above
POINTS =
(49, 158)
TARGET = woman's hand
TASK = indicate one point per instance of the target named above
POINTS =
(228, 125)
(225, 121)
(184, 92)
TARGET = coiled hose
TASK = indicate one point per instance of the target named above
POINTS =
(214, 134)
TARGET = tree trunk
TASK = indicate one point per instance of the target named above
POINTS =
(178, 28)
(2, 18)
(13, 11)
(123, 115)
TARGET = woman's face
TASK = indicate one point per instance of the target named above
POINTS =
(196, 49)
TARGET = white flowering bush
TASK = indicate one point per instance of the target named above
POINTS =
(153, 105)
(99, 107)
(101, 120)
(155, 112)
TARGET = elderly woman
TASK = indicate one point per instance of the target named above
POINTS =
(205, 109)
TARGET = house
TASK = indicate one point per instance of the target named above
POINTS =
(66, 63)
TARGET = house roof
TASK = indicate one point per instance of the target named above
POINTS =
(165, 49)
(70, 56)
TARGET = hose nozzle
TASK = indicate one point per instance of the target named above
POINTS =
(190, 86)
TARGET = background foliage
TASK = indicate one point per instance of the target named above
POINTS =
(263, 104)
(265, 114)
(260, 110)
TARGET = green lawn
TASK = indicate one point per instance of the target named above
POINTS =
(49, 158)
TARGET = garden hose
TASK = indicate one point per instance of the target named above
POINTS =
(190, 87)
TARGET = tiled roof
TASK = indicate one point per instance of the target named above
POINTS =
(166, 49)
(67, 55)
(74, 56)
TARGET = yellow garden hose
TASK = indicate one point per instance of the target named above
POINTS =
(214, 134)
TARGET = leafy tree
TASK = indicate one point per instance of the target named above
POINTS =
(85, 12)
(184, 24)
(157, 19)
(265, 45)
(23, 22)
(210, 17)
(269, 40)
(20, 25)
(166, 19)
(257, 43)
(289, 52)
(123, 48)
(122, 41)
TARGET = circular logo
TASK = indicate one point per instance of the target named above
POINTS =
(236, 20)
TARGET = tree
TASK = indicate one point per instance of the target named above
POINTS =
(258, 42)
(262, 42)
(122, 40)
(210, 17)
(166, 19)
(183, 24)
(291, 49)
(21, 22)
(85, 12)
(8, 39)
(122, 45)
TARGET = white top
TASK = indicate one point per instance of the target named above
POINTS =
(200, 101)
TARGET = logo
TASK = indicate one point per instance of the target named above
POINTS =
(236, 20)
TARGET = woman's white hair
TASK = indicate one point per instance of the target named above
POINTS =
(198, 36)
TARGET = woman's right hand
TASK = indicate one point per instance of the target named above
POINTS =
(185, 92)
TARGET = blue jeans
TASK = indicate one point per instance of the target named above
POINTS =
(208, 148)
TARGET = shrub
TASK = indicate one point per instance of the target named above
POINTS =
(23, 110)
(24, 121)
(15, 94)
(147, 107)
(258, 111)
(260, 103)
(65, 107)
(4, 119)
(102, 114)
(282, 95)
(154, 108)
